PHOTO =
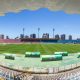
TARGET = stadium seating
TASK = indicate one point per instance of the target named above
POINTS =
(10, 41)
(7, 74)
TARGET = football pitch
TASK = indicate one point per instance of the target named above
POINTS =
(43, 48)
(21, 60)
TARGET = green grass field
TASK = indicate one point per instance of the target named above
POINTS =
(43, 48)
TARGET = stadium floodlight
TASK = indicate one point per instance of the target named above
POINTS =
(23, 31)
(38, 32)
(53, 32)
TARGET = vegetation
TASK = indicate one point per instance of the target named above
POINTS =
(43, 48)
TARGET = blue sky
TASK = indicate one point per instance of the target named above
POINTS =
(12, 23)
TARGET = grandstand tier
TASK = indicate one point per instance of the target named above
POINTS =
(39, 40)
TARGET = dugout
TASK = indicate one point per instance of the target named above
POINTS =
(61, 53)
(9, 56)
(32, 54)
(78, 55)
(51, 57)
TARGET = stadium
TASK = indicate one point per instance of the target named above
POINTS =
(39, 39)
(34, 60)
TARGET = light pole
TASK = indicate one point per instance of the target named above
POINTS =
(53, 32)
(23, 31)
(38, 32)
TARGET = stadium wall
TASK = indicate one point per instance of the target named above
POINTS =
(69, 41)
(10, 41)
(50, 40)
(39, 40)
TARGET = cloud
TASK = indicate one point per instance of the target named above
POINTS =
(68, 6)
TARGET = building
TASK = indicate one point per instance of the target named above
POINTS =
(26, 36)
(21, 36)
(7, 37)
(78, 39)
(63, 37)
(33, 36)
(57, 36)
(70, 37)
(45, 35)
(1, 36)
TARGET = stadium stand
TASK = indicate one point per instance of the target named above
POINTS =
(10, 41)
(2, 78)
(69, 41)
(7, 74)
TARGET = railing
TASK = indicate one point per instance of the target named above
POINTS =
(34, 70)
(41, 71)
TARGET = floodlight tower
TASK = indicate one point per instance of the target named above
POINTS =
(23, 31)
(38, 32)
(53, 32)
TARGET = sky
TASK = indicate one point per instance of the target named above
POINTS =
(12, 23)
(62, 15)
